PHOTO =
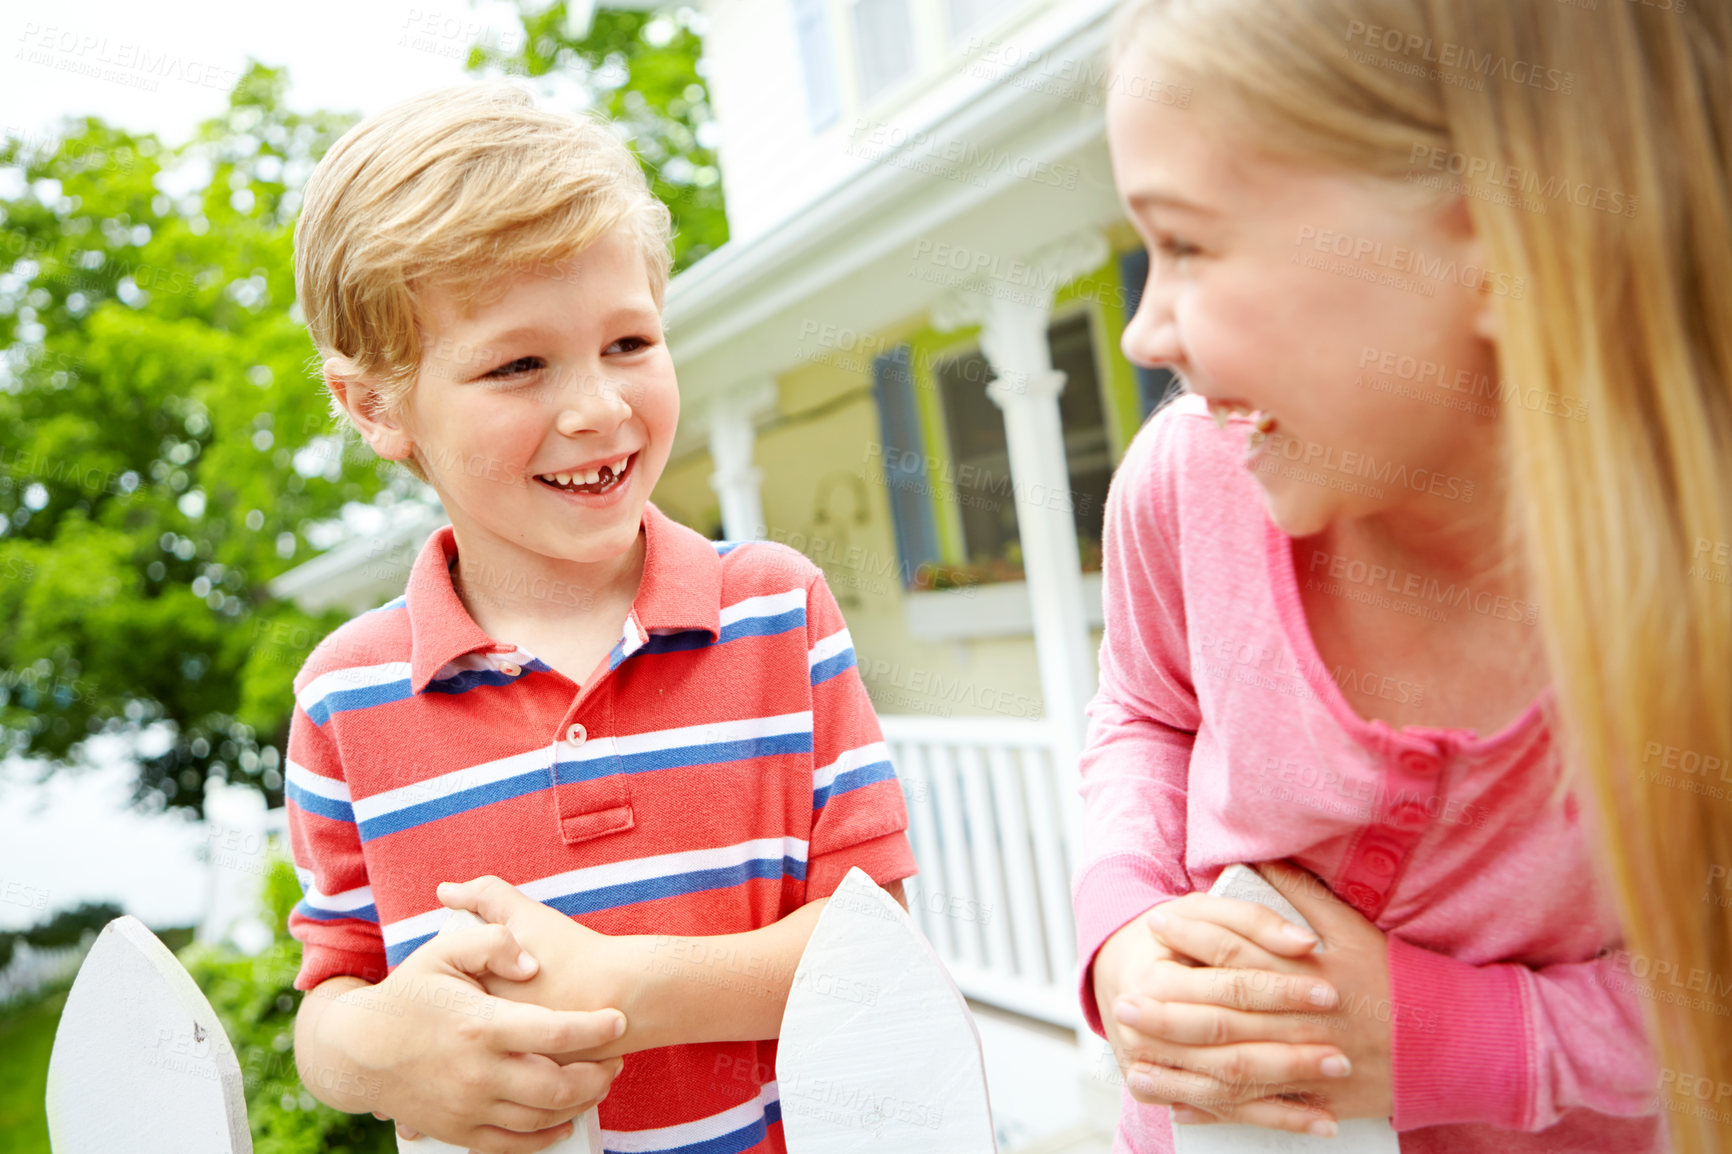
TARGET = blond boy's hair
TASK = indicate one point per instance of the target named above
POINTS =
(455, 190)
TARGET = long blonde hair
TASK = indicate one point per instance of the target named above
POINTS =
(1592, 141)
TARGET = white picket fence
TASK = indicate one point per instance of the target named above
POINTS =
(142, 1064)
(988, 815)
(30, 968)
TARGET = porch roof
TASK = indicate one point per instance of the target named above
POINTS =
(844, 259)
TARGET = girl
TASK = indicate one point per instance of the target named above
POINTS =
(1453, 278)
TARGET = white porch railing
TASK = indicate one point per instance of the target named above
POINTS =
(986, 817)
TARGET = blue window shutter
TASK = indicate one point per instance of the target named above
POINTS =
(903, 453)
(817, 63)
(1155, 387)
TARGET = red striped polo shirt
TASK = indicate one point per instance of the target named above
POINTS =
(725, 770)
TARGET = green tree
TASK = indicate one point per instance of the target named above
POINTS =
(644, 70)
(163, 446)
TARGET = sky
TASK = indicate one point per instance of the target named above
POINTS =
(164, 67)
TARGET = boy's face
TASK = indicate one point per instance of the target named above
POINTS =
(545, 415)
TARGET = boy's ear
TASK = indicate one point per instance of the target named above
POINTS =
(359, 397)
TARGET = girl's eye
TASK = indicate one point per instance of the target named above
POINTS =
(1176, 249)
(628, 345)
(515, 368)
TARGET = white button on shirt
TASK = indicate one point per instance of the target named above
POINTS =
(576, 735)
(509, 669)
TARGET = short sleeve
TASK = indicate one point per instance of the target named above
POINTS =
(335, 921)
(859, 817)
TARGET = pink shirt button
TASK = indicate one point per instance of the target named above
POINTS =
(1362, 896)
(1379, 861)
(1409, 815)
(1413, 761)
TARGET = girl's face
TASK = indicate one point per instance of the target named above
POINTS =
(1349, 317)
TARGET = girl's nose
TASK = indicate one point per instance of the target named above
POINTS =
(1152, 336)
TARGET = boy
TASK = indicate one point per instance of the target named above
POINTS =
(645, 731)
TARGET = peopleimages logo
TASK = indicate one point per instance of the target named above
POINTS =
(1421, 371)
(1526, 180)
(1460, 57)
(1316, 455)
(1411, 262)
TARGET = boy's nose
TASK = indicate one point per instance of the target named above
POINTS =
(592, 404)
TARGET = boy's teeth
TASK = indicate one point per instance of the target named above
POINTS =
(613, 470)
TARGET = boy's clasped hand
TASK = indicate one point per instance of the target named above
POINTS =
(463, 1038)
(1229, 1013)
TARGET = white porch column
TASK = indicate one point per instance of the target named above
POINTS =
(732, 418)
(1013, 322)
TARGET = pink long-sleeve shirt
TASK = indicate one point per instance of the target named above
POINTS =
(1219, 736)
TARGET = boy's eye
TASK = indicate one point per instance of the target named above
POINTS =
(515, 368)
(629, 345)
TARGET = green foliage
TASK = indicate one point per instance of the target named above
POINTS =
(642, 69)
(26, 1039)
(256, 1000)
(164, 439)
(163, 445)
(67, 927)
(64, 928)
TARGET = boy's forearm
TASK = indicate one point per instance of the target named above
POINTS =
(720, 988)
(323, 1062)
(723, 988)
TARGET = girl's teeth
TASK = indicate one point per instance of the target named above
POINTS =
(1221, 414)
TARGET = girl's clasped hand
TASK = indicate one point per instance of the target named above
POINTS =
(1229, 1013)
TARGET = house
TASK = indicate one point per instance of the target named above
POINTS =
(905, 364)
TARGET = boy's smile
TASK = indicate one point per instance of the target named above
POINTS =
(543, 416)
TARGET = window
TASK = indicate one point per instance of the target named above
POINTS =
(946, 458)
(817, 63)
(977, 465)
(973, 461)
(967, 15)
(1086, 448)
(883, 45)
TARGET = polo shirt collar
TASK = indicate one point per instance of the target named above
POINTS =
(681, 590)
(682, 578)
